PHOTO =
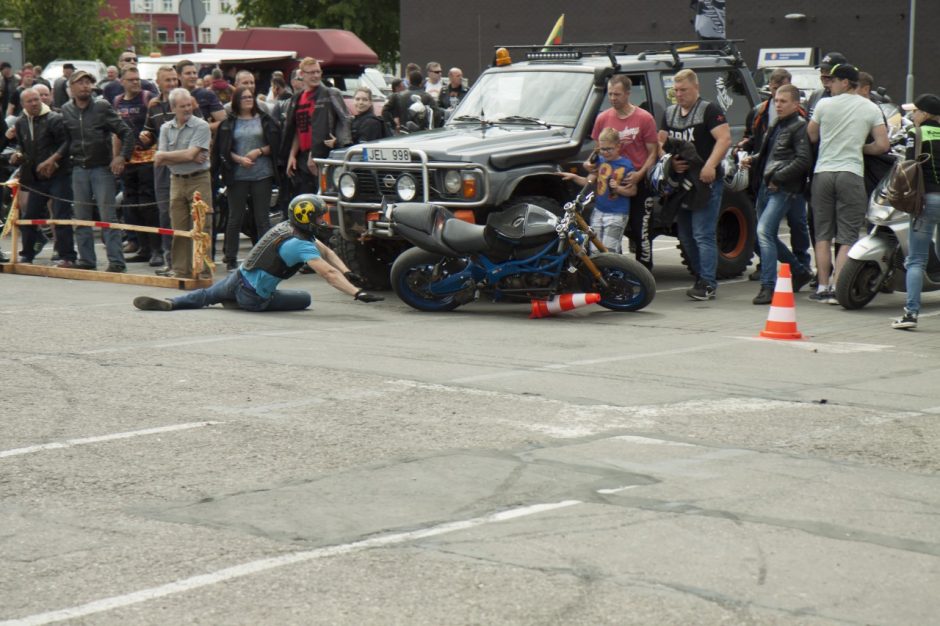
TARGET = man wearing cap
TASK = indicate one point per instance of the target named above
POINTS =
(926, 117)
(8, 85)
(60, 91)
(840, 125)
(90, 124)
(825, 66)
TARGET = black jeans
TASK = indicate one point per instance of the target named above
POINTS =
(238, 193)
(60, 189)
(140, 205)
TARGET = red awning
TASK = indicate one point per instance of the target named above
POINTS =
(334, 48)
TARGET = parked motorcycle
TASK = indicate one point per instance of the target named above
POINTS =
(523, 253)
(876, 261)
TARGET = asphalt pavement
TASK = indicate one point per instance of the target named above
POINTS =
(370, 464)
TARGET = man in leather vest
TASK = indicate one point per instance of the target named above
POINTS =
(277, 256)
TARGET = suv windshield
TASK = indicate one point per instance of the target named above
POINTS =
(519, 98)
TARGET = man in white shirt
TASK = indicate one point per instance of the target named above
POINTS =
(840, 125)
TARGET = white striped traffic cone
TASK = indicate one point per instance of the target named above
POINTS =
(561, 303)
(781, 320)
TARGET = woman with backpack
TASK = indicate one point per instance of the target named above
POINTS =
(245, 151)
(366, 125)
(926, 117)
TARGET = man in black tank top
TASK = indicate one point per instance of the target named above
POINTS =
(703, 123)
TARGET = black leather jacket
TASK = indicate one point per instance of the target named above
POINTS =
(787, 162)
(48, 137)
(90, 131)
(222, 147)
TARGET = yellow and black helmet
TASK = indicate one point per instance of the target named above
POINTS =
(305, 211)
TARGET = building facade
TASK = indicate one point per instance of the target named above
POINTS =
(873, 34)
(161, 19)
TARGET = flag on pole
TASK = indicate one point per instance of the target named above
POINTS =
(554, 38)
(710, 18)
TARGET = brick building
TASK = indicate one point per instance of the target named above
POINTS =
(873, 34)
(161, 19)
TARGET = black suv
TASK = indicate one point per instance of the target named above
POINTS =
(523, 121)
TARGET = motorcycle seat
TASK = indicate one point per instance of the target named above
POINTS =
(463, 236)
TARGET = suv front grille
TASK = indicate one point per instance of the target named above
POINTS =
(371, 185)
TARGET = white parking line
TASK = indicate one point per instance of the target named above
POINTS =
(68, 443)
(254, 567)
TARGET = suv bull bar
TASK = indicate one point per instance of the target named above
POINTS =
(382, 227)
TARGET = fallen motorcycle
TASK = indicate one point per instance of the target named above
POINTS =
(523, 253)
(876, 261)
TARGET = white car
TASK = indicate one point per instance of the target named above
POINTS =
(53, 69)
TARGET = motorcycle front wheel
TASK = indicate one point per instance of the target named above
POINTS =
(859, 282)
(412, 275)
(630, 286)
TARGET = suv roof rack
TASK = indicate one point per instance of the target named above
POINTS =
(716, 47)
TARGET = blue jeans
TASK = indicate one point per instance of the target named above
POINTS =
(235, 288)
(697, 235)
(97, 183)
(922, 231)
(771, 208)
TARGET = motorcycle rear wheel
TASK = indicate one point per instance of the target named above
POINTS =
(411, 277)
(859, 283)
(631, 287)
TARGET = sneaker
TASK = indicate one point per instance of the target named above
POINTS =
(819, 296)
(139, 258)
(84, 265)
(66, 264)
(156, 259)
(908, 321)
(146, 303)
(114, 268)
(4, 258)
(130, 247)
(701, 291)
(800, 280)
(25, 260)
(832, 298)
(765, 296)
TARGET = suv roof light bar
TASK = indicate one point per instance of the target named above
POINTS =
(717, 47)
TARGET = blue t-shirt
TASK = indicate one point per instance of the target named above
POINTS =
(609, 174)
(292, 251)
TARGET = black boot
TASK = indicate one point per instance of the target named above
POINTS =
(146, 303)
(765, 296)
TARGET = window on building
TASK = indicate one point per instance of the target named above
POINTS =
(168, 6)
(225, 6)
(144, 6)
(163, 35)
(179, 36)
(208, 5)
(205, 35)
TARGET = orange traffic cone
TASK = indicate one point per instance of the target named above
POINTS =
(781, 320)
(564, 302)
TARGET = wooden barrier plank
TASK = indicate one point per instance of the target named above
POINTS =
(27, 269)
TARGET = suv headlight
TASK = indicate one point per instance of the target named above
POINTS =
(406, 187)
(347, 186)
(335, 173)
(452, 182)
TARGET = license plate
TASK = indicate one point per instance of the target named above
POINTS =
(394, 155)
